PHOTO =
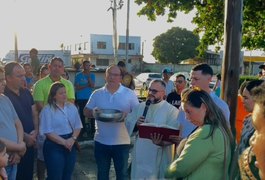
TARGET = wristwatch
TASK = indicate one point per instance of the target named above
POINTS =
(74, 138)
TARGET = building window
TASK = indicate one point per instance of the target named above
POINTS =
(123, 46)
(102, 62)
(101, 45)
(131, 46)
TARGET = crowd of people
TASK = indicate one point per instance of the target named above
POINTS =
(43, 115)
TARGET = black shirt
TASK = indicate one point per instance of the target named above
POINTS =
(174, 99)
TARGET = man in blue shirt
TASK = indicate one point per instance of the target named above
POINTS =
(84, 84)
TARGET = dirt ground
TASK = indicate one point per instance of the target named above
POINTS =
(85, 167)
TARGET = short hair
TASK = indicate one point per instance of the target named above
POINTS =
(112, 66)
(9, 67)
(218, 76)
(121, 64)
(251, 84)
(33, 50)
(205, 68)
(86, 61)
(181, 75)
(258, 95)
(162, 83)
(56, 59)
(53, 90)
(43, 68)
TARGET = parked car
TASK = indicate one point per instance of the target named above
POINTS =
(143, 80)
(186, 74)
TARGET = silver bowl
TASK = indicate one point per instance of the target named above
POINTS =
(108, 115)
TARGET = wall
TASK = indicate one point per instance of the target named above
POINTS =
(95, 38)
(176, 68)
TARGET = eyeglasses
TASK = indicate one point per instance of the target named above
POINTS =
(153, 91)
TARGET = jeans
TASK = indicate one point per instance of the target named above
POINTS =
(59, 161)
(26, 165)
(103, 156)
(11, 171)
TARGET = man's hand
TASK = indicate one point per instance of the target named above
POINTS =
(140, 120)
(30, 139)
(175, 139)
(14, 158)
(157, 139)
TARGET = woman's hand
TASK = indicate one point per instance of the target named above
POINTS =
(69, 143)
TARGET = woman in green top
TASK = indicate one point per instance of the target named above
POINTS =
(206, 152)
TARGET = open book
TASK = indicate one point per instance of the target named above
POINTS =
(146, 129)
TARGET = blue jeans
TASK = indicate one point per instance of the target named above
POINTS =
(59, 161)
(11, 171)
(119, 154)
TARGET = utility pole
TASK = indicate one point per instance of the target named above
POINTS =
(127, 33)
(232, 48)
(114, 7)
(16, 49)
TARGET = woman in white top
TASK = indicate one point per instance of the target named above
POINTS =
(61, 124)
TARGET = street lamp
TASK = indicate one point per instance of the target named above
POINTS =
(114, 7)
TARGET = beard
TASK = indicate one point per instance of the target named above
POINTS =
(154, 100)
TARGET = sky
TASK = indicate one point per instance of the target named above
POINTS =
(46, 24)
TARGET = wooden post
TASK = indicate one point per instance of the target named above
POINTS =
(232, 49)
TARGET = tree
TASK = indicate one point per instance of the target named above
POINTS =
(175, 45)
(209, 19)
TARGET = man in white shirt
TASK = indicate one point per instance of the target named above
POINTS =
(112, 140)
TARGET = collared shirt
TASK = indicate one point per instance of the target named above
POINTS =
(124, 99)
(42, 88)
(58, 120)
(23, 105)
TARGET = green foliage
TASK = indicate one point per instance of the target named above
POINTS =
(175, 45)
(209, 19)
(246, 78)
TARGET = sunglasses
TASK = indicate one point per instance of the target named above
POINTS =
(153, 91)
